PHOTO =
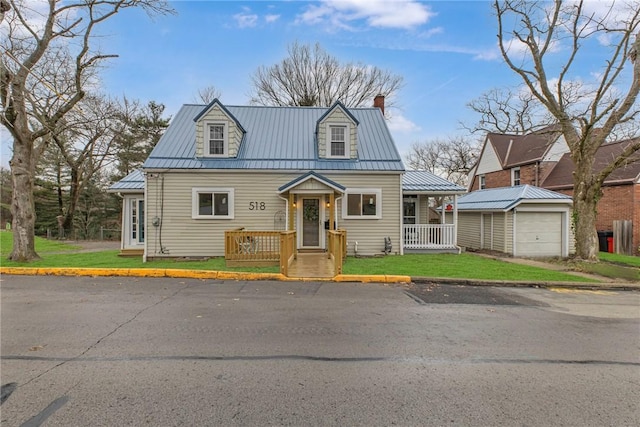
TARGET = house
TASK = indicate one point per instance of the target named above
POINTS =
(507, 160)
(620, 191)
(306, 169)
(523, 221)
(542, 159)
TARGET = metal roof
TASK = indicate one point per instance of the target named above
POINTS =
(277, 138)
(424, 182)
(132, 183)
(506, 198)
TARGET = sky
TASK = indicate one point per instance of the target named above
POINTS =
(446, 51)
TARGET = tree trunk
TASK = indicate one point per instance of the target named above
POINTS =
(74, 195)
(586, 194)
(22, 202)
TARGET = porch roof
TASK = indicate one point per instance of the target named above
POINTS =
(132, 183)
(311, 175)
(423, 182)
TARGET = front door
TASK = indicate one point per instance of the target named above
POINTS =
(136, 222)
(311, 230)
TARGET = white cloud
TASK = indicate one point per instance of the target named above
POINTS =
(246, 20)
(271, 18)
(403, 14)
(399, 124)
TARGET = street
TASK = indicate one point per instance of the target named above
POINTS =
(80, 351)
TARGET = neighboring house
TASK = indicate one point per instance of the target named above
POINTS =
(507, 160)
(522, 221)
(620, 192)
(307, 169)
(542, 159)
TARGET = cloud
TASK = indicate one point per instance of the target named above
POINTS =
(271, 18)
(246, 19)
(400, 124)
(345, 14)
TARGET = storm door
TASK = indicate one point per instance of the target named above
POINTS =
(311, 222)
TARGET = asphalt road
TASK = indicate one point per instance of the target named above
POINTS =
(119, 351)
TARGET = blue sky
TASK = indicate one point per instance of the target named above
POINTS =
(446, 52)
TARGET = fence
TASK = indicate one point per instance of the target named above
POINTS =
(623, 237)
(101, 233)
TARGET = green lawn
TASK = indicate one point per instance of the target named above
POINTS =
(633, 261)
(465, 265)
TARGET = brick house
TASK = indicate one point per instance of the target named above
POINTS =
(542, 159)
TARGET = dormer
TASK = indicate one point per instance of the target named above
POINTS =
(218, 132)
(337, 132)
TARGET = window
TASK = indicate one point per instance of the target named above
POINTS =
(216, 139)
(515, 176)
(483, 182)
(362, 203)
(212, 203)
(409, 208)
(338, 143)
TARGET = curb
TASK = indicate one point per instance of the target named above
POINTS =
(194, 274)
(340, 278)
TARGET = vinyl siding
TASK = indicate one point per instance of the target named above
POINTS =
(184, 236)
(489, 161)
(499, 236)
(469, 229)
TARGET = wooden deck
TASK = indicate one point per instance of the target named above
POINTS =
(312, 265)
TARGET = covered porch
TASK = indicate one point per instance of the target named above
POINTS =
(425, 199)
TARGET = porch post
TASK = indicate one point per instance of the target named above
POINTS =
(455, 219)
(332, 200)
(291, 211)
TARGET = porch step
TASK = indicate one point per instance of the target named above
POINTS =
(131, 252)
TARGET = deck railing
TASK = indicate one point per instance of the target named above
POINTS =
(287, 250)
(337, 248)
(255, 248)
(429, 236)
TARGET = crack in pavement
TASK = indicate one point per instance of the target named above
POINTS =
(92, 346)
(326, 359)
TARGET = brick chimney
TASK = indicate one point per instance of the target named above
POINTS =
(378, 102)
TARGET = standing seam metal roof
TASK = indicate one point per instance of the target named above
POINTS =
(508, 197)
(277, 138)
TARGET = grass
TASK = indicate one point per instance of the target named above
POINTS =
(465, 265)
(633, 261)
(454, 266)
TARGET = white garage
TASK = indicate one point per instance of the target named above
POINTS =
(522, 221)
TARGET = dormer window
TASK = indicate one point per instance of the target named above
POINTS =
(216, 139)
(338, 146)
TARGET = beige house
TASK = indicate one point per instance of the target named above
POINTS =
(308, 169)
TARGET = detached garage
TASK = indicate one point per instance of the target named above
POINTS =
(522, 221)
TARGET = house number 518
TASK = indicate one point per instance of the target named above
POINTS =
(257, 206)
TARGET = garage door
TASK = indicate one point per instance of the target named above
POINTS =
(538, 234)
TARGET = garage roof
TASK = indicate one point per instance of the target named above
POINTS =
(506, 198)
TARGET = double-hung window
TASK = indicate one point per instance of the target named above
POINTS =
(338, 144)
(483, 182)
(216, 139)
(515, 176)
(212, 203)
(363, 203)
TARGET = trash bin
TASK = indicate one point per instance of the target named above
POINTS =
(602, 240)
(610, 245)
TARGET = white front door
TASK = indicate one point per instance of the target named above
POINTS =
(310, 223)
(136, 222)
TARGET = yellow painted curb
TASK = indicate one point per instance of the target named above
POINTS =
(371, 278)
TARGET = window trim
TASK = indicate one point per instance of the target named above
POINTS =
(347, 140)
(207, 141)
(361, 191)
(513, 176)
(196, 191)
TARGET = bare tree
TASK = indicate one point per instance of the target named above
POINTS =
(207, 94)
(39, 37)
(450, 158)
(506, 110)
(310, 76)
(532, 37)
